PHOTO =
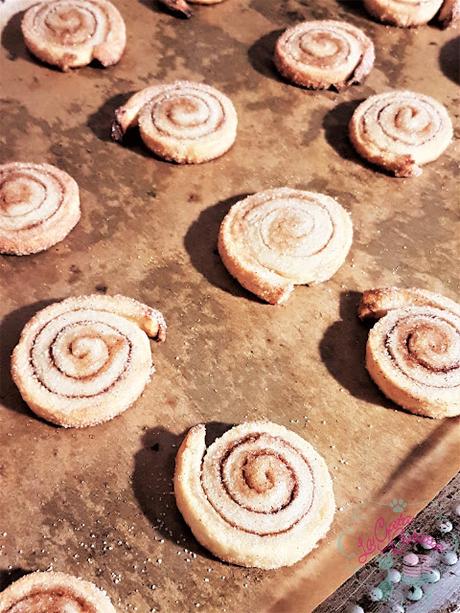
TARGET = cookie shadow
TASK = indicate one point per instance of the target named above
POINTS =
(153, 484)
(355, 8)
(13, 42)
(12, 39)
(343, 350)
(335, 125)
(9, 576)
(10, 330)
(201, 244)
(449, 60)
(100, 124)
(260, 56)
(408, 470)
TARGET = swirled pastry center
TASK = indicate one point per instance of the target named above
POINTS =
(426, 349)
(321, 48)
(261, 485)
(300, 232)
(187, 114)
(406, 122)
(20, 194)
(14, 193)
(72, 23)
(258, 481)
(54, 600)
(77, 357)
(70, 27)
(280, 229)
(27, 199)
(434, 346)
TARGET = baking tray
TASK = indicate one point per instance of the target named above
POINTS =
(98, 502)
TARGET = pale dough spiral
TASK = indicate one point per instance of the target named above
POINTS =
(321, 54)
(259, 496)
(39, 206)
(71, 33)
(184, 122)
(283, 237)
(86, 359)
(401, 131)
(53, 592)
(413, 352)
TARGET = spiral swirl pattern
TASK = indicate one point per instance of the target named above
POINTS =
(86, 359)
(71, 33)
(259, 496)
(403, 13)
(39, 206)
(46, 592)
(401, 131)
(413, 352)
(321, 54)
(184, 122)
(280, 238)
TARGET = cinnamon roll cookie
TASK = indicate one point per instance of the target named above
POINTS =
(71, 33)
(39, 206)
(401, 131)
(322, 54)
(48, 592)
(407, 13)
(413, 351)
(283, 237)
(184, 122)
(86, 359)
(259, 496)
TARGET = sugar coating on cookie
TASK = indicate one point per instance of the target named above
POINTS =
(71, 33)
(259, 496)
(323, 54)
(39, 206)
(283, 237)
(54, 591)
(86, 359)
(413, 351)
(184, 122)
(401, 131)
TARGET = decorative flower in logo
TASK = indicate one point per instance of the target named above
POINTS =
(386, 561)
(398, 505)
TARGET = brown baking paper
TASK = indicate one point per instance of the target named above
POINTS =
(98, 502)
